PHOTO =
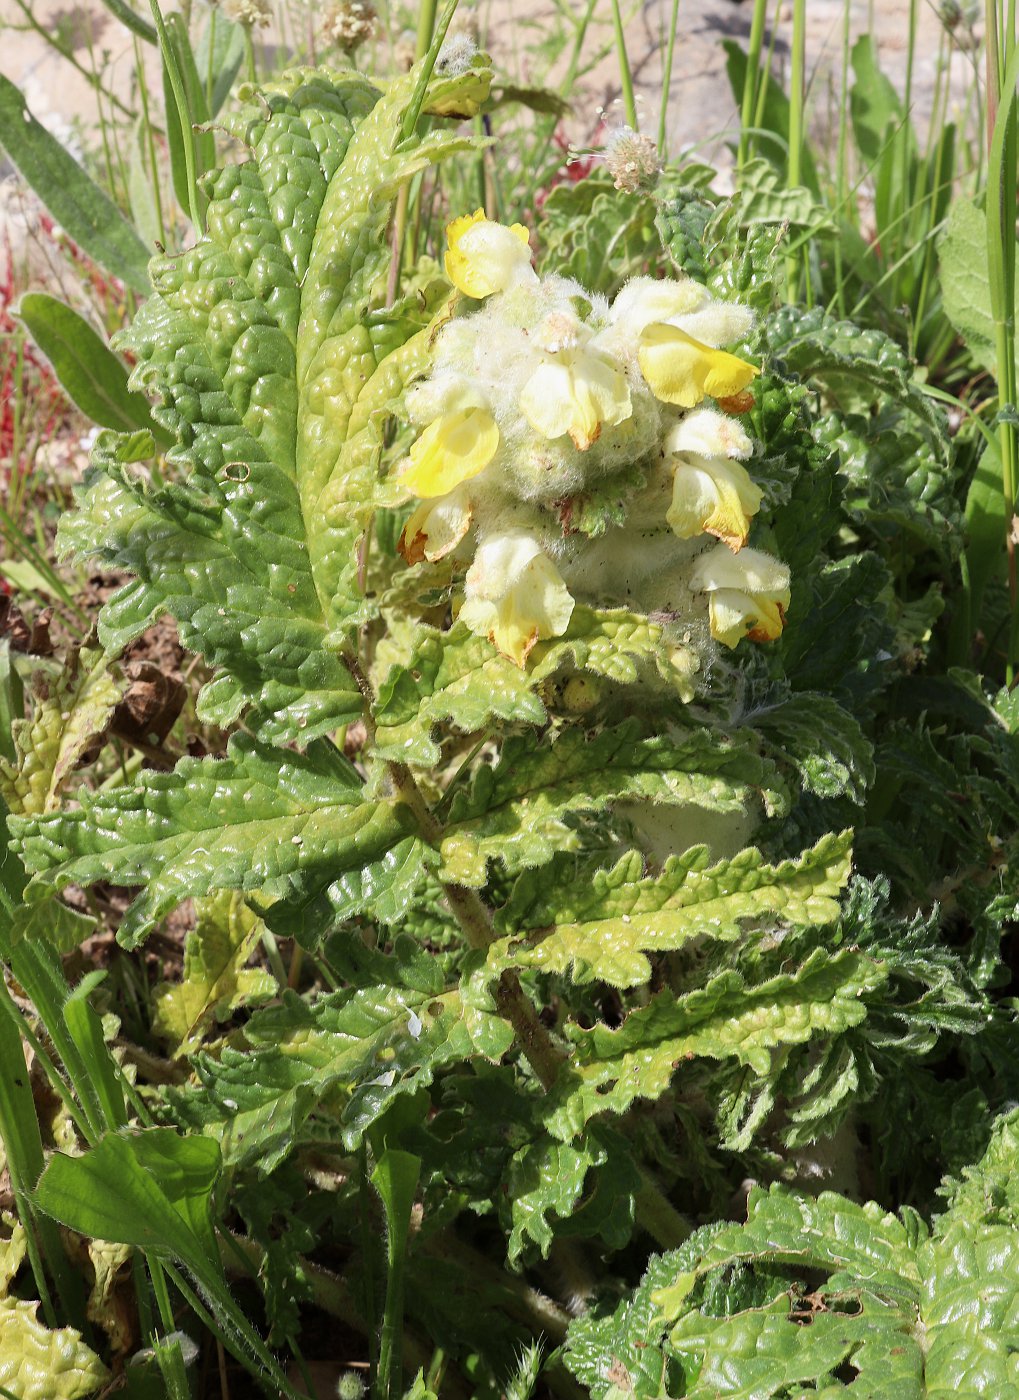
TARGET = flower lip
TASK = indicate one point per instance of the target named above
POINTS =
(714, 495)
(682, 371)
(576, 392)
(455, 447)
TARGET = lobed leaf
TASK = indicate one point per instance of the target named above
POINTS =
(604, 924)
(71, 711)
(726, 1019)
(263, 819)
(215, 981)
(522, 810)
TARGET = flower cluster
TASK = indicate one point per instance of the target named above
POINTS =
(570, 441)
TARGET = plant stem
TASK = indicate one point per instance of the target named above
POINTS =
(470, 912)
(663, 111)
(750, 80)
(797, 97)
(656, 1214)
(625, 75)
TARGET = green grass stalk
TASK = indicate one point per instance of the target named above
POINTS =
(180, 97)
(625, 73)
(1001, 202)
(797, 100)
(751, 78)
(663, 110)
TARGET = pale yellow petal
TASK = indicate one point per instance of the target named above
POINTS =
(647, 299)
(681, 370)
(515, 595)
(733, 615)
(546, 400)
(576, 392)
(749, 571)
(451, 450)
(484, 257)
(435, 529)
(715, 496)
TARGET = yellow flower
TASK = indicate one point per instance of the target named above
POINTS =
(485, 257)
(436, 528)
(681, 370)
(577, 391)
(457, 446)
(748, 594)
(710, 434)
(716, 495)
(514, 595)
(682, 303)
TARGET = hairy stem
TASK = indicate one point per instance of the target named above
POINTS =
(471, 913)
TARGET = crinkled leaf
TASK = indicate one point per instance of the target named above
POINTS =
(37, 1364)
(461, 679)
(605, 923)
(830, 751)
(215, 981)
(552, 1196)
(263, 819)
(726, 1019)
(275, 367)
(360, 1047)
(828, 1296)
(71, 710)
(520, 811)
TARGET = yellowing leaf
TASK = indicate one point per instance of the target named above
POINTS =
(215, 979)
(70, 712)
(37, 1364)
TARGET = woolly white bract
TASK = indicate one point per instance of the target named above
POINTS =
(577, 436)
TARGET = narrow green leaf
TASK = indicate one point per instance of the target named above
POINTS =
(78, 204)
(91, 375)
(219, 54)
(121, 10)
(161, 1196)
(180, 131)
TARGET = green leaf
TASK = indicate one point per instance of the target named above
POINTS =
(122, 11)
(89, 372)
(220, 53)
(965, 282)
(606, 922)
(53, 921)
(39, 1364)
(260, 819)
(78, 204)
(522, 811)
(215, 981)
(359, 1049)
(831, 753)
(552, 1194)
(766, 198)
(276, 367)
(162, 1201)
(180, 126)
(71, 711)
(772, 135)
(830, 1295)
(726, 1019)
